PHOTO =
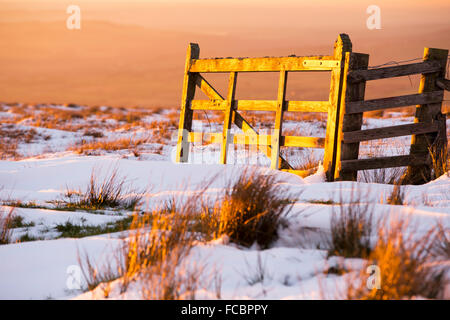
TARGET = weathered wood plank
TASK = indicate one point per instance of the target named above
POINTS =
(278, 128)
(264, 64)
(391, 72)
(228, 115)
(260, 140)
(308, 106)
(290, 106)
(207, 137)
(444, 84)
(287, 141)
(216, 105)
(383, 162)
(261, 105)
(394, 102)
(390, 132)
(256, 105)
(301, 173)
(303, 142)
(185, 124)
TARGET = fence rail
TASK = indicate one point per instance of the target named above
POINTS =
(385, 162)
(394, 102)
(396, 71)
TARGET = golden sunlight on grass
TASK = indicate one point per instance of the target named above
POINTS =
(158, 242)
(408, 268)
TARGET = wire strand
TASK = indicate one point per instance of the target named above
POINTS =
(401, 61)
(394, 62)
(447, 67)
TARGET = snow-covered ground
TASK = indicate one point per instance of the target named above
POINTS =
(294, 268)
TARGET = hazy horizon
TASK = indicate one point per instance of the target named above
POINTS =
(132, 52)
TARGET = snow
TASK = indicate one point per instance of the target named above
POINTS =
(38, 269)
(294, 266)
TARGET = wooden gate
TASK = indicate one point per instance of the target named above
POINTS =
(344, 108)
(268, 144)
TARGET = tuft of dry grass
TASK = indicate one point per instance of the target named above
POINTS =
(154, 253)
(153, 256)
(107, 192)
(95, 276)
(351, 227)
(6, 221)
(309, 165)
(405, 265)
(8, 149)
(442, 244)
(440, 161)
(90, 148)
(384, 175)
(11, 137)
(397, 196)
(252, 210)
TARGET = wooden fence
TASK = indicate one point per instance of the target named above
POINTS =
(345, 107)
(429, 137)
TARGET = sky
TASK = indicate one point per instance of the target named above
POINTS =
(132, 52)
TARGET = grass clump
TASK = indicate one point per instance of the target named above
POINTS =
(442, 244)
(440, 160)
(406, 266)
(109, 192)
(351, 227)
(152, 256)
(18, 222)
(397, 196)
(252, 210)
(6, 219)
(92, 148)
(71, 230)
(383, 175)
(28, 237)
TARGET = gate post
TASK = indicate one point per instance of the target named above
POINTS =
(277, 134)
(350, 122)
(341, 46)
(430, 143)
(185, 125)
